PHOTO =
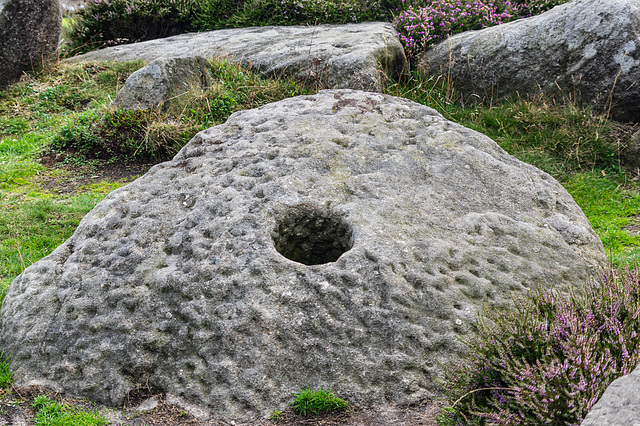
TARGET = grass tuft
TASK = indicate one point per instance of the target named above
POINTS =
(319, 401)
(52, 413)
(276, 416)
(6, 376)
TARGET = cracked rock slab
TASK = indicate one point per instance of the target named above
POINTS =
(344, 240)
(586, 50)
(353, 56)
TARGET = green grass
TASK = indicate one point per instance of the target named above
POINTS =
(52, 413)
(610, 202)
(6, 376)
(32, 227)
(276, 415)
(319, 401)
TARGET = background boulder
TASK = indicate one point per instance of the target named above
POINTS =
(619, 405)
(29, 36)
(344, 240)
(354, 56)
(163, 82)
(588, 50)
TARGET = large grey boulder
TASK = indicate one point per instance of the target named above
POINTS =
(163, 83)
(585, 49)
(354, 56)
(29, 36)
(344, 240)
(619, 405)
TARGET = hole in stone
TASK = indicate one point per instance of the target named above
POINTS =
(311, 236)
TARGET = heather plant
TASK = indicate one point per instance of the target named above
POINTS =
(536, 7)
(549, 358)
(421, 27)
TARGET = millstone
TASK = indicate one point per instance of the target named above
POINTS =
(344, 240)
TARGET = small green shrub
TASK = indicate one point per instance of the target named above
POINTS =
(139, 134)
(550, 358)
(308, 402)
(52, 413)
(276, 416)
(292, 12)
(216, 14)
(13, 126)
(108, 22)
(59, 97)
(78, 135)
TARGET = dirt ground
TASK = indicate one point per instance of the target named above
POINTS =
(16, 410)
(74, 177)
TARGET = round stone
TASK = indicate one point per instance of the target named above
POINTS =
(346, 240)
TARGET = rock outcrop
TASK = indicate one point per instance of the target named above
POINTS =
(29, 36)
(353, 56)
(344, 240)
(163, 83)
(586, 49)
(619, 405)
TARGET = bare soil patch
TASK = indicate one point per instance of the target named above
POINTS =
(74, 177)
(16, 409)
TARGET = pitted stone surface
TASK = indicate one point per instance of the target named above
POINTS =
(588, 50)
(353, 56)
(29, 36)
(177, 280)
